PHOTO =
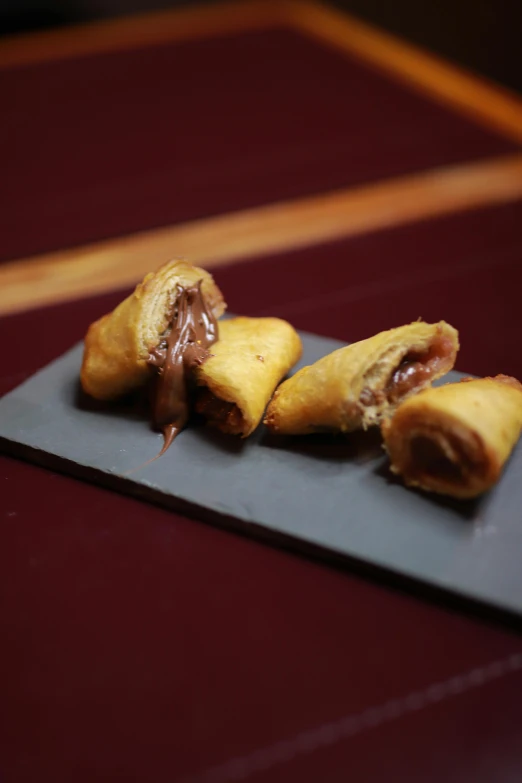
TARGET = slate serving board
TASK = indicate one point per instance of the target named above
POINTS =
(328, 495)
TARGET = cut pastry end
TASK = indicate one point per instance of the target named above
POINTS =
(158, 295)
(412, 370)
(221, 414)
(118, 346)
(455, 439)
(439, 455)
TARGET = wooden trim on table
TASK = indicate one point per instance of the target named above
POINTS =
(130, 32)
(482, 100)
(236, 237)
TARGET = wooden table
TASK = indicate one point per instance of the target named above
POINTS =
(333, 176)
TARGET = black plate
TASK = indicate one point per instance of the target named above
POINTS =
(328, 495)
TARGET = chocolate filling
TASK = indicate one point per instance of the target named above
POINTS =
(429, 459)
(219, 411)
(443, 457)
(415, 369)
(192, 330)
(411, 372)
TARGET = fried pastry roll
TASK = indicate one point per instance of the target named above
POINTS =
(234, 385)
(119, 346)
(354, 387)
(456, 439)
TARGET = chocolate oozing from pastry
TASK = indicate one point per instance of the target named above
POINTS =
(185, 346)
(415, 369)
(413, 372)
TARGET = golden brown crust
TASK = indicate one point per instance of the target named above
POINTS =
(456, 439)
(499, 378)
(117, 346)
(355, 386)
(248, 361)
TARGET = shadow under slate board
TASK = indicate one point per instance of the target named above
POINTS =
(331, 496)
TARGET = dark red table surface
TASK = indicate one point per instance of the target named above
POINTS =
(142, 646)
(104, 145)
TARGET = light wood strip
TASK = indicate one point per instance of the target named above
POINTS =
(181, 24)
(235, 237)
(484, 101)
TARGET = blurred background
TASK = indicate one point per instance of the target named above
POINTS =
(319, 189)
(483, 35)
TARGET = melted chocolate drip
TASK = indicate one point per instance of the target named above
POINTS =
(193, 330)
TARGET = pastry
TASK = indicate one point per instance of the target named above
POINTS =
(166, 335)
(158, 334)
(234, 385)
(119, 345)
(456, 439)
(356, 386)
